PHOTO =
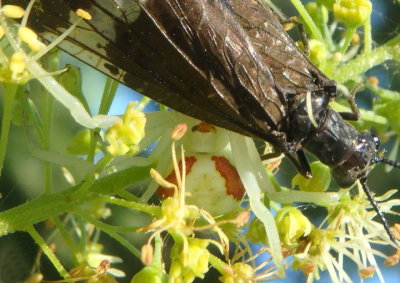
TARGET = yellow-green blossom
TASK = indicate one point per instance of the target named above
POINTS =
(238, 272)
(353, 13)
(350, 232)
(189, 261)
(124, 136)
(292, 225)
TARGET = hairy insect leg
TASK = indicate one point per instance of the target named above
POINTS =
(354, 115)
(289, 23)
(376, 208)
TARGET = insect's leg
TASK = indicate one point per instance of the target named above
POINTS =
(289, 23)
(304, 164)
(301, 163)
(354, 115)
(377, 210)
(270, 155)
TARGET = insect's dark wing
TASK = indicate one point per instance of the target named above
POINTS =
(226, 62)
(293, 73)
(124, 43)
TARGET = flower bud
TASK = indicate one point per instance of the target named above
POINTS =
(353, 13)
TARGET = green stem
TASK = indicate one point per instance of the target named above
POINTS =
(367, 36)
(89, 180)
(68, 240)
(128, 196)
(113, 232)
(157, 259)
(110, 89)
(92, 145)
(359, 65)
(124, 242)
(46, 206)
(48, 252)
(9, 95)
(149, 209)
(46, 140)
(316, 34)
(48, 101)
(348, 38)
(218, 264)
(103, 226)
(108, 95)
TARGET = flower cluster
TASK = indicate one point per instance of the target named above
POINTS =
(124, 136)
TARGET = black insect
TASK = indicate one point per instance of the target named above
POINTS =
(226, 62)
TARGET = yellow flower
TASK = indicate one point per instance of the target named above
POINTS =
(353, 13)
(190, 261)
(292, 225)
(124, 136)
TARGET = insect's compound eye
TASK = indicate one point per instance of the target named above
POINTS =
(377, 141)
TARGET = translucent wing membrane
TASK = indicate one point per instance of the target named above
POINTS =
(225, 62)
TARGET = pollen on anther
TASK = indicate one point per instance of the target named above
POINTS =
(13, 11)
(17, 62)
(27, 35)
(30, 37)
(83, 14)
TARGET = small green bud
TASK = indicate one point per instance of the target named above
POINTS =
(327, 3)
(318, 183)
(80, 143)
(318, 52)
(148, 274)
(319, 13)
(256, 232)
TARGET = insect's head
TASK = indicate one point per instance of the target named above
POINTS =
(360, 162)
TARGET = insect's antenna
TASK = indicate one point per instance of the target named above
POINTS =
(388, 162)
(374, 204)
